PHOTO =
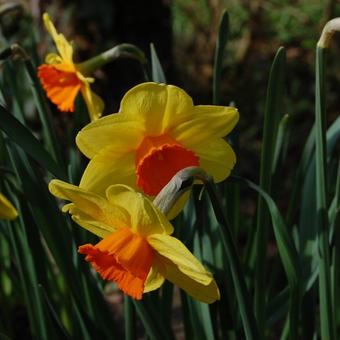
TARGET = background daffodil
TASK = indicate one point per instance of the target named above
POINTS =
(136, 250)
(61, 79)
(157, 132)
(7, 211)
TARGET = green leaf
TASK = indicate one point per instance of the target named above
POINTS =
(308, 239)
(55, 226)
(221, 42)
(287, 250)
(201, 310)
(58, 329)
(23, 137)
(273, 114)
(151, 320)
(300, 176)
(28, 278)
(288, 255)
(44, 112)
(278, 306)
(280, 141)
(242, 295)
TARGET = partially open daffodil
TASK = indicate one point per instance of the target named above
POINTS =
(61, 78)
(157, 132)
(136, 250)
(7, 211)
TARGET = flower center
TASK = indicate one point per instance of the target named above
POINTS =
(158, 159)
(123, 257)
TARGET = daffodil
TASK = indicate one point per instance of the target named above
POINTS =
(136, 250)
(7, 211)
(157, 132)
(61, 78)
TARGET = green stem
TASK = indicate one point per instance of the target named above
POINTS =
(119, 51)
(326, 305)
(130, 319)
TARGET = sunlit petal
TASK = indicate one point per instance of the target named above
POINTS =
(145, 217)
(206, 123)
(112, 130)
(204, 293)
(91, 205)
(159, 107)
(154, 280)
(94, 103)
(63, 46)
(107, 168)
(175, 251)
(217, 158)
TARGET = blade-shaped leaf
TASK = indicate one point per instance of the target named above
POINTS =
(22, 136)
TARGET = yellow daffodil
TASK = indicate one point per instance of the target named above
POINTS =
(7, 211)
(157, 132)
(136, 250)
(62, 80)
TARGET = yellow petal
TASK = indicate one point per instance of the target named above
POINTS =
(179, 255)
(94, 103)
(204, 293)
(53, 58)
(66, 67)
(91, 206)
(107, 168)
(63, 46)
(154, 280)
(217, 158)
(159, 107)
(206, 122)
(112, 130)
(7, 211)
(87, 222)
(146, 219)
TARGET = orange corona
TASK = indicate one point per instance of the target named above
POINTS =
(61, 85)
(158, 159)
(123, 257)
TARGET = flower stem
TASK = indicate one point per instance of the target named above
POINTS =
(130, 319)
(119, 51)
(326, 306)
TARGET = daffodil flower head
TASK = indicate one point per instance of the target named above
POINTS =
(7, 210)
(136, 250)
(157, 132)
(61, 79)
